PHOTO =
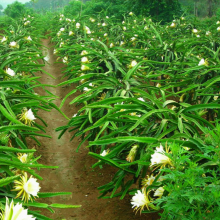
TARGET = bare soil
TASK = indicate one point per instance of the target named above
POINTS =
(74, 173)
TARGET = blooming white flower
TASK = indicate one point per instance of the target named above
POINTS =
(28, 187)
(182, 18)
(77, 25)
(123, 22)
(10, 72)
(195, 31)
(197, 35)
(61, 15)
(84, 52)
(104, 24)
(218, 22)
(71, 33)
(29, 115)
(13, 44)
(84, 68)
(159, 157)
(104, 153)
(111, 45)
(141, 99)
(4, 39)
(124, 28)
(149, 180)
(65, 59)
(62, 29)
(159, 192)
(218, 29)
(173, 25)
(32, 187)
(140, 200)
(74, 115)
(29, 38)
(203, 62)
(133, 63)
(133, 39)
(23, 157)
(86, 89)
(84, 60)
(122, 43)
(68, 20)
(15, 212)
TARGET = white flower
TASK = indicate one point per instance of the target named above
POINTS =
(150, 180)
(65, 59)
(29, 38)
(197, 35)
(141, 99)
(105, 35)
(92, 20)
(173, 25)
(146, 28)
(107, 17)
(10, 72)
(84, 60)
(133, 39)
(84, 68)
(77, 25)
(218, 22)
(23, 158)
(124, 28)
(26, 23)
(68, 20)
(159, 192)
(71, 33)
(61, 15)
(104, 24)
(111, 45)
(133, 63)
(131, 13)
(139, 200)
(13, 44)
(86, 89)
(90, 84)
(32, 187)
(15, 212)
(4, 39)
(62, 29)
(159, 157)
(74, 115)
(203, 62)
(58, 33)
(84, 52)
(55, 51)
(195, 31)
(29, 115)
(122, 43)
(104, 153)
(215, 97)
(208, 33)
(123, 22)
(218, 29)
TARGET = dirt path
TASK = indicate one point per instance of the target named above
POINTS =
(74, 174)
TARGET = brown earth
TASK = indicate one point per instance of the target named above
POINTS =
(74, 173)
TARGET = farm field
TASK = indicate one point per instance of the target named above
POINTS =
(108, 118)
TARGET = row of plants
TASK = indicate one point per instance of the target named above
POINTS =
(20, 59)
(149, 106)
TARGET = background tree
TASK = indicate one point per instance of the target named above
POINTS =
(15, 10)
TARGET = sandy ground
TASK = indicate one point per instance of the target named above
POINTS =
(75, 173)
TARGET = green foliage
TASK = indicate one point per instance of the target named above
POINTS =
(16, 10)
(20, 58)
(73, 8)
(142, 85)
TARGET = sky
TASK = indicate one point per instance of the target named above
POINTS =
(4, 3)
